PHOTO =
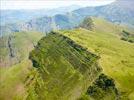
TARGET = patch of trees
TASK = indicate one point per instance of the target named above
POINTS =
(101, 87)
(87, 24)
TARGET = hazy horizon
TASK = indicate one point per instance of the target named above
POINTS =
(24, 4)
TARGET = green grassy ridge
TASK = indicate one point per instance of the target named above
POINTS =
(116, 55)
(103, 26)
(66, 68)
(122, 32)
(21, 43)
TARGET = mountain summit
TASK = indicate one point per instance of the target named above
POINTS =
(126, 4)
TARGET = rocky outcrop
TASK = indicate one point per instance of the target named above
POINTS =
(11, 51)
(16, 47)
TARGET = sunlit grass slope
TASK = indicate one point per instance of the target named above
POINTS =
(12, 82)
(117, 57)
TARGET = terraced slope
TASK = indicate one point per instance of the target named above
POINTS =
(65, 68)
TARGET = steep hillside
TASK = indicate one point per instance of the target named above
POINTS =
(14, 48)
(14, 64)
(65, 68)
(116, 56)
(12, 80)
(62, 70)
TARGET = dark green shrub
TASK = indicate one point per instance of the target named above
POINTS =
(124, 39)
(131, 41)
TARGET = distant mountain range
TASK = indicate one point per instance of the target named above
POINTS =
(17, 16)
(43, 24)
(120, 12)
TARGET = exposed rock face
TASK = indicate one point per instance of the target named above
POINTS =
(65, 68)
(8, 50)
(11, 52)
(16, 47)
